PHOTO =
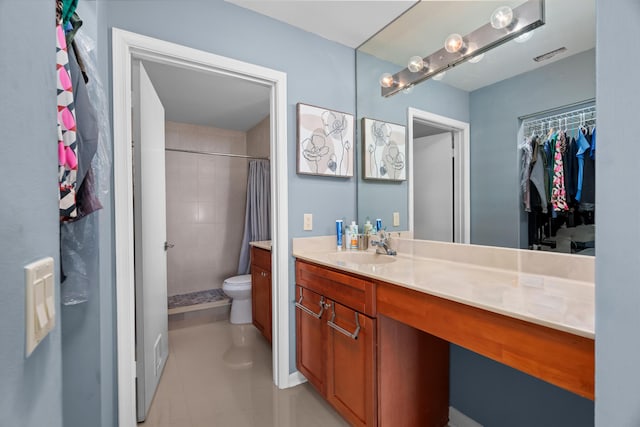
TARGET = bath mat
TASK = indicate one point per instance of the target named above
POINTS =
(195, 298)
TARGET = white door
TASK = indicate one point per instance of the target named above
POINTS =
(150, 238)
(433, 172)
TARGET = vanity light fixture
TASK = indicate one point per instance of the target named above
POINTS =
(505, 24)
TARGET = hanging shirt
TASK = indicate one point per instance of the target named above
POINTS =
(67, 144)
(525, 171)
(583, 146)
(558, 195)
(538, 178)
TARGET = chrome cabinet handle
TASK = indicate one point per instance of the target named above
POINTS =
(309, 312)
(353, 335)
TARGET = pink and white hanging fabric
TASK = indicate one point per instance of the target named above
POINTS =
(67, 142)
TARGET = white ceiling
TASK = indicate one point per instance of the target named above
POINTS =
(350, 23)
(206, 99)
(222, 101)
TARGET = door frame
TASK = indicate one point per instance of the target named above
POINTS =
(127, 46)
(461, 132)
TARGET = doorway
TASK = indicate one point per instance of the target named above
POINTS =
(128, 47)
(439, 198)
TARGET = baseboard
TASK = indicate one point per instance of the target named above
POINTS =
(296, 378)
(458, 419)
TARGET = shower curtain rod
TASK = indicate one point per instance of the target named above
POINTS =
(209, 153)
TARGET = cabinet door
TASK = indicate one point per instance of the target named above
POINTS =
(351, 367)
(311, 337)
(261, 300)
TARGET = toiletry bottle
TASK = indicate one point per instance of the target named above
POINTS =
(368, 228)
(347, 237)
(378, 225)
(354, 235)
(339, 234)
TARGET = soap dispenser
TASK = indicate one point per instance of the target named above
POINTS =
(354, 235)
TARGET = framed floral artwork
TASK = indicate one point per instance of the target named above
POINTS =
(384, 150)
(325, 142)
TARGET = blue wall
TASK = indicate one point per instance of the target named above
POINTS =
(617, 205)
(319, 72)
(380, 199)
(494, 110)
(31, 388)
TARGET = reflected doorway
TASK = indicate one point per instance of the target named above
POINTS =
(438, 177)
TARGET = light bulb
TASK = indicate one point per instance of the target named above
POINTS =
(415, 64)
(386, 80)
(472, 48)
(501, 17)
(453, 43)
(477, 58)
(407, 90)
(439, 76)
(523, 37)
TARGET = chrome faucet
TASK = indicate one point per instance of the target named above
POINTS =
(383, 245)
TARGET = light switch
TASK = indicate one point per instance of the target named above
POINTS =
(40, 302)
(308, 222)
(396, 219)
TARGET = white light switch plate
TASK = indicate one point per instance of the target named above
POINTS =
(40, 302)
(308, 222)
(396, 219)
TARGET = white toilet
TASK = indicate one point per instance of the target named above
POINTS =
(238, 288)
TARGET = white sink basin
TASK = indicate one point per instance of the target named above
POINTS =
(361, 258)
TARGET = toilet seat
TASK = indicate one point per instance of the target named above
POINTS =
(238, 282)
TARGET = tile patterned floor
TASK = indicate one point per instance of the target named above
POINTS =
(212, 381)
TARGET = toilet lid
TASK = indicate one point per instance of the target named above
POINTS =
(244, 279)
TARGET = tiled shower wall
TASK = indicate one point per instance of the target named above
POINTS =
(206, 198)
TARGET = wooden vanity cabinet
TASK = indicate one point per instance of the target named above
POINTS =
(261, 290)
(336, 340)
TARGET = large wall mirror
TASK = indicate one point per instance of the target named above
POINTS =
(462, 156)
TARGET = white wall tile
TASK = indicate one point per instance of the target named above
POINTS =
(206, 198)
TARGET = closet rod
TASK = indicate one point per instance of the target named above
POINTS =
(587, 113)
(209, 153)
(559, 110)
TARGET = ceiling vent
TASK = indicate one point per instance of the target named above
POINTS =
(550, 55)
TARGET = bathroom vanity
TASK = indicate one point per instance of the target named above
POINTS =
(261, 287)
(373, 331)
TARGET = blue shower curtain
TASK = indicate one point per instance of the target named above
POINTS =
(257, 222)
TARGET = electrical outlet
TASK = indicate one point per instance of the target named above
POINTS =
(308, 222)
(396, 219)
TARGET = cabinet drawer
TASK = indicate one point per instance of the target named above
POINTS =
(353, 292)
(261, 258)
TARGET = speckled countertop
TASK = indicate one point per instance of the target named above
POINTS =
(263, 244)
(553, 290)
